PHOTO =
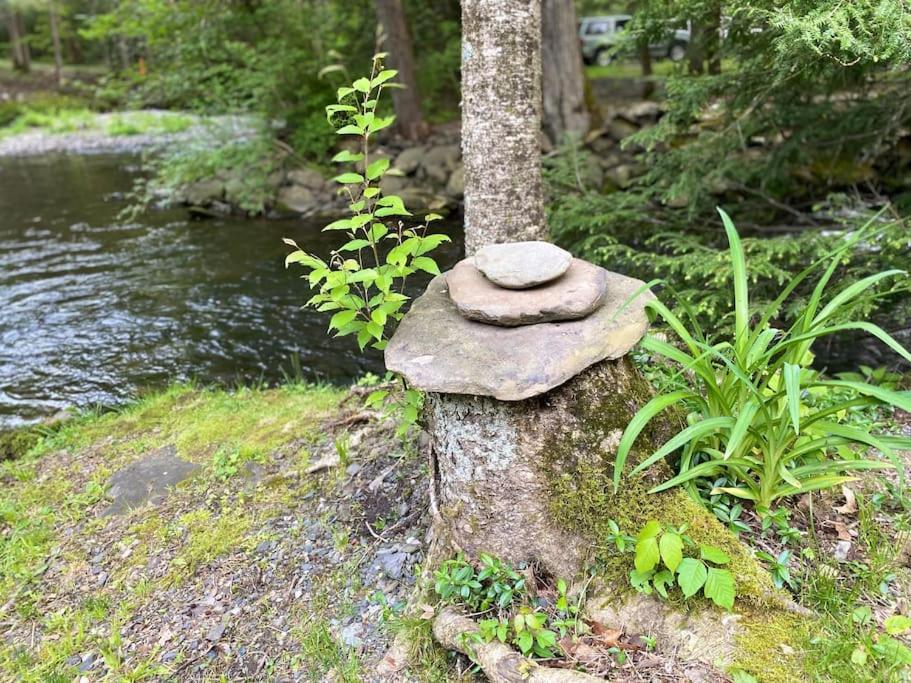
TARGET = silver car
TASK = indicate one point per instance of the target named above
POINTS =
(600, 36)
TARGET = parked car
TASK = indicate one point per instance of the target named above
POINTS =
(600, 36)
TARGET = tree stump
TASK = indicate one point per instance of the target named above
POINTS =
(522, 419)
(501, 468)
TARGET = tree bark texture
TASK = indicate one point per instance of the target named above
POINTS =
(502, 469)
(406, 101)
(501, 120)
(564, 108)
(20, 55)
(54, 20)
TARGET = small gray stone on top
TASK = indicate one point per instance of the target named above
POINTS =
(518, 265)
(147, 480)
(574, 295)
(437, 349)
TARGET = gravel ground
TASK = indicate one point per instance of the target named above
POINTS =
(97, 140)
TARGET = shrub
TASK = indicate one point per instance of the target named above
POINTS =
(749, 417)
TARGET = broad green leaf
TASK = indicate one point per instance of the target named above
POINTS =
(427, 264)
(671, 547)
(341, 319)
(897, 624)
(362, 85)
(647, 553)
(719, 587)
(377, 168)
(345, 155)
(383, 76)
(340, 224)
(350, 129)
(713, 554)
(691, 576)
(349, 178)
(343, 92)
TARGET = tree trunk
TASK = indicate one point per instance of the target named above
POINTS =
(564, 107)
(407, 101)
(645, 61)
(502, 470)
(713, 40)
(54, 19)
(20, 55)
(501, 120)
(695, 51)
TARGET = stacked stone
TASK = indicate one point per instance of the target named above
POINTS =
(515, 321)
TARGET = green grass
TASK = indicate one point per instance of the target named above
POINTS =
(60, 118)
(140, 122)
(661, 69)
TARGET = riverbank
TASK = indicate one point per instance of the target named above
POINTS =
(277, 533)
(81, 131)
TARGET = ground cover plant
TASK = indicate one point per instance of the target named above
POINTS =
(749, 420)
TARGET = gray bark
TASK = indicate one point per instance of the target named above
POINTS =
(565, 112)
(498, 467)
(501, 120)
(406, 101)
(54, 20)
(20, 55)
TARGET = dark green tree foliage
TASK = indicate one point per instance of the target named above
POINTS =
(802, 131)
(265, 55)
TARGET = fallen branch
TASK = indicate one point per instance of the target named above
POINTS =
(499, 662)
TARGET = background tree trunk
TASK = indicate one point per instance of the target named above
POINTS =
(645, 62)
(54, 20)
(501, 120)
(20, 55)
(564, 107)
(713, 40)
(407, 100)
(695, 51)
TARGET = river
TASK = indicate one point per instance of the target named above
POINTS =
(94, 309)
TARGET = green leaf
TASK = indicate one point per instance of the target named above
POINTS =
(691, 576)
(377, 168)
(343, 92)
(713, 554)
(719, 588)
(792, 387)
(647, 553)
(354, 245)
(362, 85)
(671, 547)
(897, 624)
(689, 435)
(662, 580)
(378, 316)
(654, 407)
(427, 264)
(349, 178)
(383, 76)
(350, 129)
(741, 427)
(345, 155)
(341, 319)
(741, 297)
(340, 224)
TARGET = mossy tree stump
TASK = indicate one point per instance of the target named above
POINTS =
(518, 416)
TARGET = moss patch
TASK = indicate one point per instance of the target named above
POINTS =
(769, 646)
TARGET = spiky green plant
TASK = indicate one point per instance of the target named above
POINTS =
(748, 414)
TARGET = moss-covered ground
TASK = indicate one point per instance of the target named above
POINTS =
(255, 568)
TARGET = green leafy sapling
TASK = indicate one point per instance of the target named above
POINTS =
(660, 564)
(362, 282)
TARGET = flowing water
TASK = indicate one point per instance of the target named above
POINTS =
(93, 309)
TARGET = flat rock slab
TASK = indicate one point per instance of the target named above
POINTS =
(519, 265)
(148, 480)
(574, 295)
(437, 349)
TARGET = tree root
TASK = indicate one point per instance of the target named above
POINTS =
(499, 662)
